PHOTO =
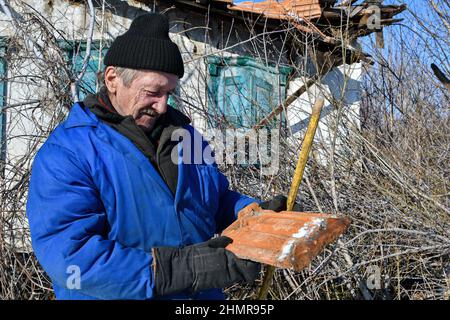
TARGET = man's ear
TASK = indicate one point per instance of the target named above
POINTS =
(111, 79)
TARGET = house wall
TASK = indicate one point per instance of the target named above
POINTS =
(342, 84)
(71, 20)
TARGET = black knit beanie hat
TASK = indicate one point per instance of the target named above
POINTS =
(146, 45)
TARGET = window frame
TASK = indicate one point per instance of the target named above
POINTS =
(77, 48)
(254, 71)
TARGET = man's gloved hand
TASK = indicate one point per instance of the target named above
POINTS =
(201, 266)
(279, 203)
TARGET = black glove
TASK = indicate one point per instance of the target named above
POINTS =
(279, 203)
(201, 266)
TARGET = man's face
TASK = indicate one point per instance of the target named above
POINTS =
(146, 97)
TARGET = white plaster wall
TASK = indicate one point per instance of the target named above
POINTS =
(342, 84)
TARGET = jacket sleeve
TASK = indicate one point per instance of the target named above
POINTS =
(68, 224)
(230, 203)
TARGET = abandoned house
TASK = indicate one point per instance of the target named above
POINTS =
(248, 64)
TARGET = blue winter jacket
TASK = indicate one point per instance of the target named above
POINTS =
(97, 206)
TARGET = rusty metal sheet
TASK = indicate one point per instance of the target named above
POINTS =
(283, 239)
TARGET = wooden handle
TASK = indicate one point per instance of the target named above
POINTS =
(298, 175)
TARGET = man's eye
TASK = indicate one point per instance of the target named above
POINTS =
(157, 94)
(150, 93)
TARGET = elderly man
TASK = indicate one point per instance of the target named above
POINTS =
(111, 216)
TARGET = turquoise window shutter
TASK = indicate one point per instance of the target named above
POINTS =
(212, 97)
(89, 83)
(3, 75)
(243, 91)
(233, 100)
(173, 99)
(265, 98)
(75, 53)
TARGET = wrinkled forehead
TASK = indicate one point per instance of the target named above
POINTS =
(156, 81)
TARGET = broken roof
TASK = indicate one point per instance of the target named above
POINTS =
(322, 18)
(333, 24)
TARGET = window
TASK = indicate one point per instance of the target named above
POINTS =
(241, 92)
(3, 75)
(174, 99)
(75, 53)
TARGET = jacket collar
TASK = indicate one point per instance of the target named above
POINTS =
(80, 116)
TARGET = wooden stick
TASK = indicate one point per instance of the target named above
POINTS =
(298, 175)
(304, 152)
